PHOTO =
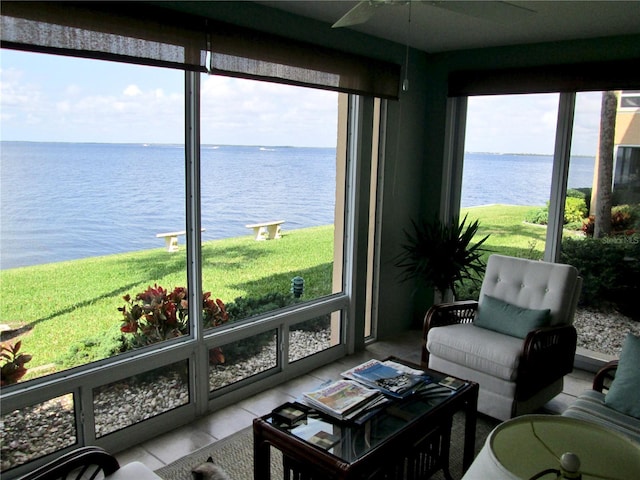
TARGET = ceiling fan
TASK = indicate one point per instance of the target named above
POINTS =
(498, 11)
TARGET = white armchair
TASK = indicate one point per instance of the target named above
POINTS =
(517, 342)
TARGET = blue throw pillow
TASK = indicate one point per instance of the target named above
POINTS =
(500, 316)
(624, 394)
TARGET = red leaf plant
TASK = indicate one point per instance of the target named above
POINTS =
(12, 368)
(157, 314)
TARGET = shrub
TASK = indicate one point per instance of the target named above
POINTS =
(609, 268)
(539, 216)
(588, 225)
(12, 368)
(584, 193)
(575, 209)
(624, 219)
(245, 307)
(94, 348)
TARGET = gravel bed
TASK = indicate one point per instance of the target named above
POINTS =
(603, 332)
(47, 427)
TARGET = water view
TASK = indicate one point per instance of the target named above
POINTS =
(63, 201)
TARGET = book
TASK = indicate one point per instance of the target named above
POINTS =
(391, 378)
(324, 439)
(289, 413)
(453, 383)
(342, 399)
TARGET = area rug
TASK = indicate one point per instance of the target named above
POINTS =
(235, 454)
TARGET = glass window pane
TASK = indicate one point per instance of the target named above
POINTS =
(506, 182)
(37, 430)
(313, 336)
(137, 398)
(269, 196)
(606, 253)
(92, 172)
(237, 361)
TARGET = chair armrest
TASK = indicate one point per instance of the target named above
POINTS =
(83, 462)
(548, 354)
(605, 376)
(444, 314)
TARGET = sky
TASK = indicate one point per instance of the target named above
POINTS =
(64, 99)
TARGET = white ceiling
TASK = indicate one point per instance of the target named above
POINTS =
(451, 25)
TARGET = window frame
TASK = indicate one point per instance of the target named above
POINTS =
(193, 348)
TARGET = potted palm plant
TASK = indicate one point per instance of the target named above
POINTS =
(440, 255)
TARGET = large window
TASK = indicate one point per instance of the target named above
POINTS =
(513, 169)
(269, 165)
(605, 143)
(167, 228)
(507, 168)
(96, 209)
(92, 173)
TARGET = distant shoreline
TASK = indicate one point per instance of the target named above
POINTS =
(210, 145)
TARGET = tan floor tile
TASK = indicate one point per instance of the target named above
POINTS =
(177, 443)
(264, 402)
(139, 454)
(225, 422)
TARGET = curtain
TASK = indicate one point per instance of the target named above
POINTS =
(587, 76)
(140, 33)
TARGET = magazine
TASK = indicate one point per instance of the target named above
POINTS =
(342, 399)
(391, 378)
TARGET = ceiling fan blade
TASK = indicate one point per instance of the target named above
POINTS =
(362, 12)
(496, 11)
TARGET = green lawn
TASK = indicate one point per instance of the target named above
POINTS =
(509, 235)
(74, 303)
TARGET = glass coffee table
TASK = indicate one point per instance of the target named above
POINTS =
(406, 439)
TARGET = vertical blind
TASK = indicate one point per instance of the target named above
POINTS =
(144, 34)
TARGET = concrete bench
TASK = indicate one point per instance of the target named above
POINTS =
(171, 239)
(266, 230)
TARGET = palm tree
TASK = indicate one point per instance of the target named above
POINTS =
(603, 174)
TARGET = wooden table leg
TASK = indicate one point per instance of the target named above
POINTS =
(261, 455)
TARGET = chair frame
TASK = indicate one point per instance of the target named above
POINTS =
(604, 376)
(547, 353)
(85, 462)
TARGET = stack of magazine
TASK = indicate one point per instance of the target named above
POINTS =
(365, 388)
(391, 378)
(343, 399)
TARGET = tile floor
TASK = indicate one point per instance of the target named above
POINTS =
(173, 445)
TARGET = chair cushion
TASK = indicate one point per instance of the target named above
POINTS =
(478, 348)
(533, 284)
(623, 394)
(590, 406)
(504, 317)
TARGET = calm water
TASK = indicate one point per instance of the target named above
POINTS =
(516, 179)
(63, 201)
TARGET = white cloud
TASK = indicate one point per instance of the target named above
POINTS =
(73, 90)
(63, 107)
(527, 123)
(132, 91)
(238, 111)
